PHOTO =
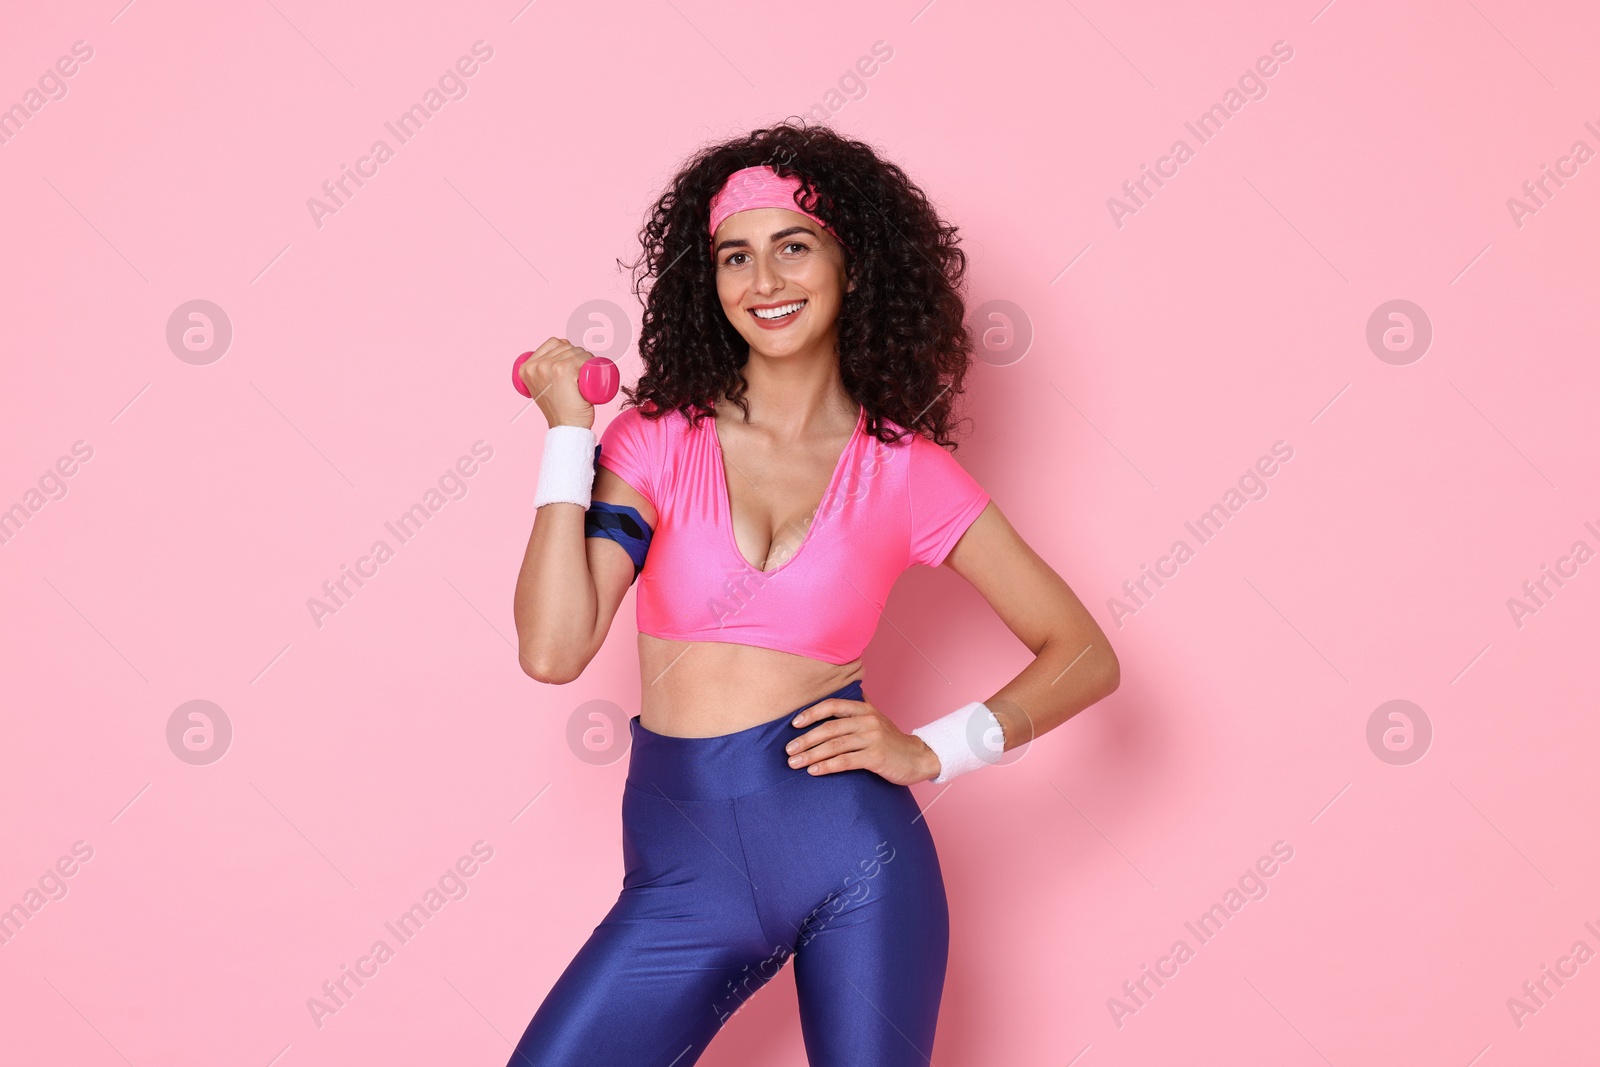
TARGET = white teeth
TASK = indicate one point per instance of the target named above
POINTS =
(777, 312)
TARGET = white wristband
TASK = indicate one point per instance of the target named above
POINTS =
(964, 740)
(566, 470)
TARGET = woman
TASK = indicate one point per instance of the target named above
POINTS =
(803, 342)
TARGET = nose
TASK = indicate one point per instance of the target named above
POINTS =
(767, 279)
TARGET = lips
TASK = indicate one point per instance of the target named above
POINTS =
(776, 313)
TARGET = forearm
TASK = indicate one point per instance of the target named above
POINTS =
(555, 604)
(1066, 676)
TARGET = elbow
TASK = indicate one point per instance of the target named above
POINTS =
(551, 670)
(1110, 675)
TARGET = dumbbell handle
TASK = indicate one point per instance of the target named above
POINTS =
(597, 379)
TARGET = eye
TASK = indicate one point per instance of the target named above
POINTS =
(733, 257)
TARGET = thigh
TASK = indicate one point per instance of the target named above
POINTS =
(870, 957)
(672, 960)
(629, 999)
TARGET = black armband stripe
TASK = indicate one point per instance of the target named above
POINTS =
(621, 524)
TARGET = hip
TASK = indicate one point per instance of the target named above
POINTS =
(728, 814)
(728, 765)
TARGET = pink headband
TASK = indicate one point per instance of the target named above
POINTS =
(755, 187)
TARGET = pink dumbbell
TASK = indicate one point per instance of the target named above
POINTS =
(597, 379)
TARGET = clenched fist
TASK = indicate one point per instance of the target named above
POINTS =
(551, 375)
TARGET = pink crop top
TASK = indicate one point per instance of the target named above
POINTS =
(887, 507)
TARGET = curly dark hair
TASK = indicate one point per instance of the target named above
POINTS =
(904, 348)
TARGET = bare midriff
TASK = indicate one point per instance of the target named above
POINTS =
(710, 688)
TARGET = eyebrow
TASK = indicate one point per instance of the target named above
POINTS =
(740, 242)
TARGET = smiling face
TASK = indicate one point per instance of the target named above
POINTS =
(770, 260)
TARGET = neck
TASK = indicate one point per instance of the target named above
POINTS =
(796, 395)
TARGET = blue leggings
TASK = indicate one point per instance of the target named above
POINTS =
(733, 862)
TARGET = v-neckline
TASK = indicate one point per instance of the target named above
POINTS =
(727, 498)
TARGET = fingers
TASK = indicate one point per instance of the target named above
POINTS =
(848, 761)
(845, 730)
(558, 350)
(551, 376)
(812, 745)
(827, 752)
(550, 345)
(833, 707)
(542, 356)
(865, 727)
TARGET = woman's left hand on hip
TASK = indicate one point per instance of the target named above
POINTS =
(852, 734)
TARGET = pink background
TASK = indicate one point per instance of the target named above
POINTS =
(1168, 354)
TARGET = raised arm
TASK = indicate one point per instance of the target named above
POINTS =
(570, 585)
